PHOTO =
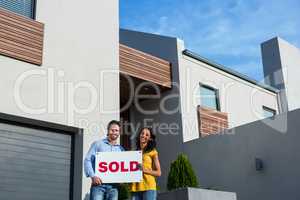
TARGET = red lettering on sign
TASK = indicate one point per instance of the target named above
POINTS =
(116, 166)
(102, 167)
(123, 169)
(113, 166)
(134, 166)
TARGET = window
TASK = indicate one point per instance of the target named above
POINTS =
(209, 97)
(21, 7)
(268, 112)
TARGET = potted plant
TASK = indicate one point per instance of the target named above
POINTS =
(183, 184)
(181, 174)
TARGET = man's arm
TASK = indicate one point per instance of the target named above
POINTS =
(88, 161)
(88, 165)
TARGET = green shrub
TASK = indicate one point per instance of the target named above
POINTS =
(124, 192)
(181, 174)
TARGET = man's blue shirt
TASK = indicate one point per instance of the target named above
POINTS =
(98, 146)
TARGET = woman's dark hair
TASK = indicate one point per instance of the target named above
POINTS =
(151, 143)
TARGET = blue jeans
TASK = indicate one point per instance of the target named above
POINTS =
(144, 195)
(104, 192)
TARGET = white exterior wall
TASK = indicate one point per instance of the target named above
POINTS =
(290, 65)
(80, 41)
(242, 100)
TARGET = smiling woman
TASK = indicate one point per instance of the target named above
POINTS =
(146, 189)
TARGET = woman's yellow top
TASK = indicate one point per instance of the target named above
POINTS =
(149, 182)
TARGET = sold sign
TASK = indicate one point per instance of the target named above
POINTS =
(115, 167)
(119, 167)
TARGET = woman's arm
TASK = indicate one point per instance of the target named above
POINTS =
(157, 170)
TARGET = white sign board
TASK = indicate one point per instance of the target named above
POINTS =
(119, 167)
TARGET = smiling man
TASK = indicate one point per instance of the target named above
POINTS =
(100, 191)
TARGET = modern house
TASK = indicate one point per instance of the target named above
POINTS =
(65, 76)
(204, 98)
(281, 68)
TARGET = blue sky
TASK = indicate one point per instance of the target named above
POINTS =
(227, 32)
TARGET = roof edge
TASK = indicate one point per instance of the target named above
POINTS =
(147, 33)
(229, 71)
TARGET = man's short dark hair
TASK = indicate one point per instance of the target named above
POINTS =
(113, 122)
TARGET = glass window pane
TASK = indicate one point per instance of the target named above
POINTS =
(21, 7)
(208, 97)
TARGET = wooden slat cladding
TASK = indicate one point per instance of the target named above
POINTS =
(211, 121)
(145, 66)
(21, 38)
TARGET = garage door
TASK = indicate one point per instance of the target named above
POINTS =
(34, 164)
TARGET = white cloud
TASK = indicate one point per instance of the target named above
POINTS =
(226, 29)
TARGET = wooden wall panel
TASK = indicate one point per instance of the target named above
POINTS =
(145, 66)
(21, 38)
(211, 121)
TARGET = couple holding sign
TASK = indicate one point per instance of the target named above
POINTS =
(143, 190)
